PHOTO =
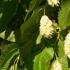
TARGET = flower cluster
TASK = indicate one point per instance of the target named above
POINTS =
(67, 45)
(46, 28)
(53, 2)
(56, 65)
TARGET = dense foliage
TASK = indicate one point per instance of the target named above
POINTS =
(34, 34)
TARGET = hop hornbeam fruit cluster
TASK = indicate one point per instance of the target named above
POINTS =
(67, 45)
(53, 2)
(56, 65)
(46, 28)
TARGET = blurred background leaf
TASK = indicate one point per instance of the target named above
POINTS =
(8, 10)
(9, 55)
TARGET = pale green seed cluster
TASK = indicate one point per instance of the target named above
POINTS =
(53, 2)
(67, 45)
(46, 28)
(56, 65)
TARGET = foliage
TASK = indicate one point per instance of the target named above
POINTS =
(21, 45)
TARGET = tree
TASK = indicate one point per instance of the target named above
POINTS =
(35, 34)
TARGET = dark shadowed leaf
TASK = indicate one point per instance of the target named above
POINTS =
(8, 10)
(9, 56)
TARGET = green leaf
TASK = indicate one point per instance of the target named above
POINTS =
(61, 54)
(64, 14)
(36, 62)
(42, 60)
(7, 32)
(14, 63)
(8, 10)
(11, 37)
(8, 35)
(2, 34)
(34, 4)
(60, 48)
(64, 63)
(17, 33)
(1, 14)
(9, 56)
(26, 37)
(69, 68)
(38, 41)
(29, 28)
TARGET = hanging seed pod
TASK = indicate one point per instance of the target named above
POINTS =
(56, 65)
(53, 2)
(46, 28)
(67, 45)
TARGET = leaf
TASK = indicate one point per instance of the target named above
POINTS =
(2, 34)
(9, 56)
(14, 65)
(29, 28)
(69, 68)
(64, 63)
(42, 60)
(61, 54)
(1, 14)
(38, 41)
(7, 32)
(60, 48)
(17, 33)
(26, 37)
(64, 14)
(8, 10)
(11, 37)
(8, 35)
(34, 4)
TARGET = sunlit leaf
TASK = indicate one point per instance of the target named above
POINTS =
(42, 60)
(38, 41)
(64, 14)
(64, 63)
(2, 34)
(11, 37)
